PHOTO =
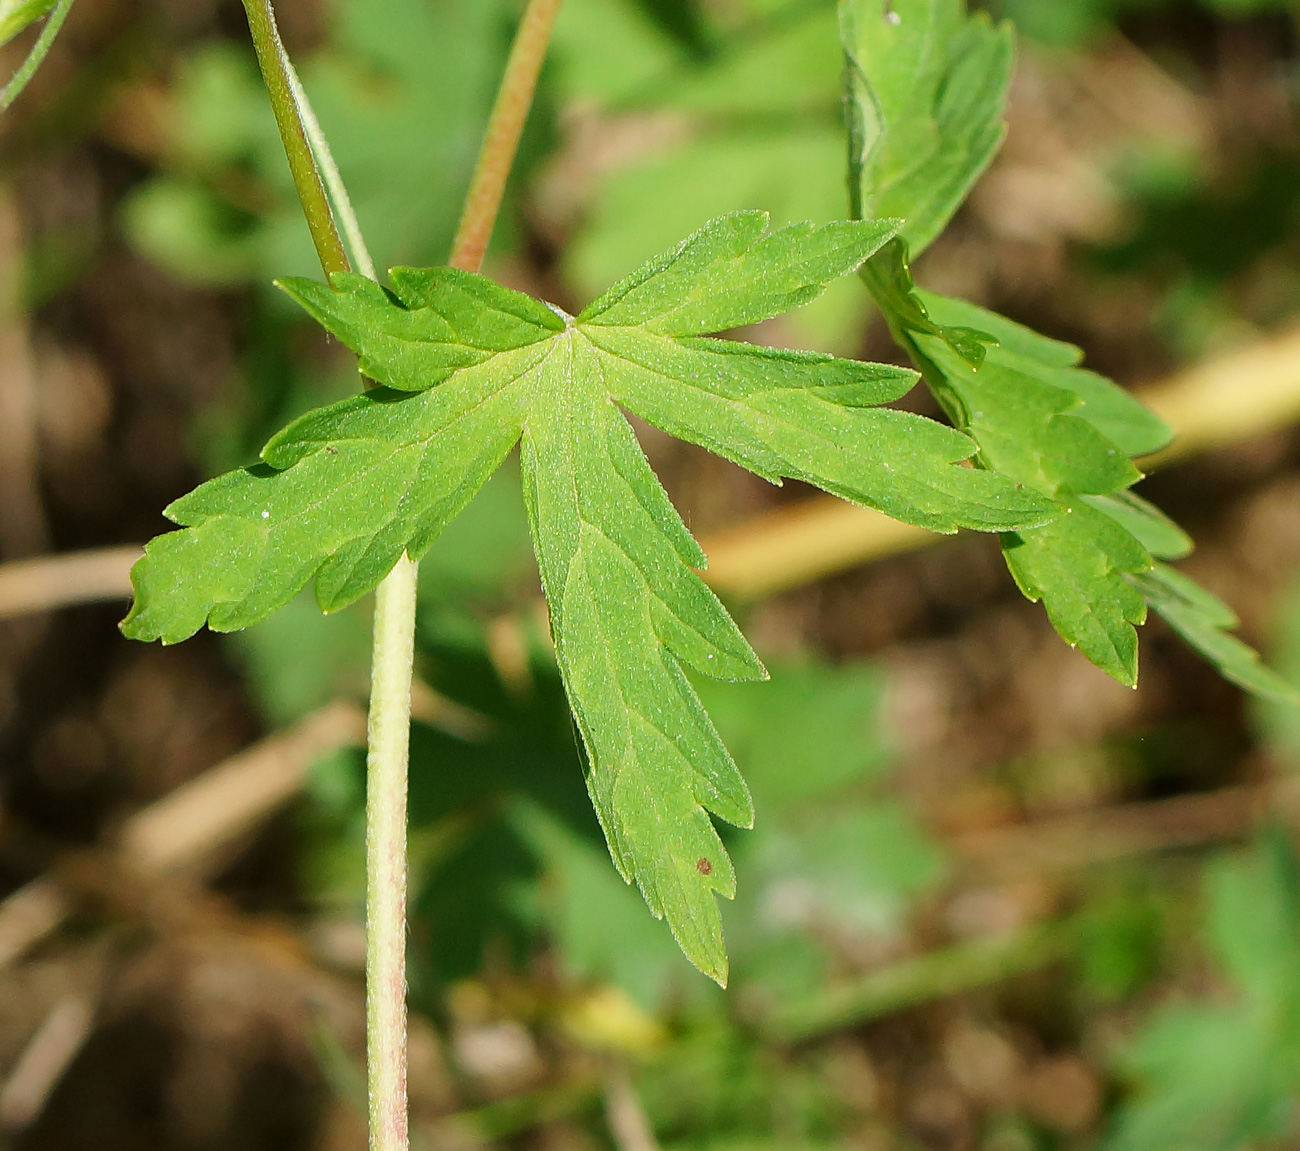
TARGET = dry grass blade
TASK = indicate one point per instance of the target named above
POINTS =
(797, 545)
(187, 827)
(35, 585)
(46, 1057)
(29, 915)
(1229, 398)
(1069, 842)
(183, 829)
(628, 1123)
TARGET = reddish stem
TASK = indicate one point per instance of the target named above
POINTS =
(500, 143)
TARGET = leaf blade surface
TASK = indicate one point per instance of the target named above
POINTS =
(470, 369)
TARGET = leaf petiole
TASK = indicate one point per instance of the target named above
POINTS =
(497, 155)
(280, 79)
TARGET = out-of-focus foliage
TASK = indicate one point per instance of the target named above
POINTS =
(1220, 1076)
(401, 90)
(1072, 23)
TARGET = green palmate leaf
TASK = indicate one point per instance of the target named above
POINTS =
(470, 369)
(926, 89)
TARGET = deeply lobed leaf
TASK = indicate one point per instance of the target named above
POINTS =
(927, 85)
(470, 369)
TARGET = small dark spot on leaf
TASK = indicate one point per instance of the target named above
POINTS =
(704, 866)
(331, 451)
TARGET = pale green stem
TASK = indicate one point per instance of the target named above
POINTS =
(320, 188)
(276, 72)
(387, 759)
(325, 202)
(44, 42)
(386, 770)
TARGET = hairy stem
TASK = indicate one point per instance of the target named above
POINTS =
(321, 190)
(280, 80)
(388, 739)
(316, 178)
(497, 155)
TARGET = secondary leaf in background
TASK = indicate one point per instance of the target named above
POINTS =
(474, 870)
(832, 852)
(927, 86)
(1217, 1077)
(1070, 433)
(599, 927)
(1026, 411)
(832, 856)
(345, 490)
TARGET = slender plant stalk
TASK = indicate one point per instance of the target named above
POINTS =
(340, 201)
(388, 750)
(497, 155)
(325, 203)
(280, 79)
(44, 42)
(319, 183)
(388, 739)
